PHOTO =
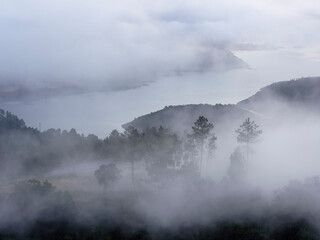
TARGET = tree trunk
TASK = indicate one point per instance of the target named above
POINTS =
(132, 174)
(247, 155)
(210, 155)
(201, 150)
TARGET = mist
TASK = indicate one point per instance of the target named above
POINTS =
(58, 56)
(153, 183)
(163, 120)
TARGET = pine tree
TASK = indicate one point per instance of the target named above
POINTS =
(133, 139)
(211, 147)
(248, 133)
(201, 131)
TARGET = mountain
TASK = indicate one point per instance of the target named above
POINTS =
(269, 101)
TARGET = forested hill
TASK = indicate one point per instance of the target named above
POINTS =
(34, 151)
(10, 121)
(180, 118)
(25, 150)
(303, 92)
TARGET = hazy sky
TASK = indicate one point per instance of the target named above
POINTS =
(94, 65)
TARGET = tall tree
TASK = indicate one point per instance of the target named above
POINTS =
(201, 131)
(236, 168)
(134, 138)
(248, 133)
(211, 147)
(163, 153)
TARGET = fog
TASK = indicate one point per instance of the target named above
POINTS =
(166, 190)
(76, 73)
(58, 56)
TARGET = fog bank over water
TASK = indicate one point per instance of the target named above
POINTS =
(159, 120)
(99, 113)
(112, 62)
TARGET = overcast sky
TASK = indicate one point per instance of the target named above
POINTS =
(95, 65)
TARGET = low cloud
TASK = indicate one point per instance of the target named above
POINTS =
(253, 47)
(77, 47)
(58, 48)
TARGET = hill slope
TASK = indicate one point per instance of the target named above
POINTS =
(269, 101)
(303, 92)
(180, 118)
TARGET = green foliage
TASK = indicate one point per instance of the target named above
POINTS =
(163, 153)
(236, 168)
(107, 174)
(248, 132)
(10, 121)
(298, 230)
(201, 129)
(233, 230)
(299, 196)
(201, 132)
(26, 151)
(35, 200)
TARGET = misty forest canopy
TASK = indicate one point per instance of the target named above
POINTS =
(154, 180)
(167, 140)
(28, 152)
(167, 158)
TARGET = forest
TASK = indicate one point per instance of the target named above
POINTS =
(159, 120)
(151, 185)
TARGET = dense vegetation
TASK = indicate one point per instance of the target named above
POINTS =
(273, 100)
(26, 151)
(38, 211)
(176, 200)
(303, 92)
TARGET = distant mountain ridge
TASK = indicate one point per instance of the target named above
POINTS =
(181, 118)
(303, 92)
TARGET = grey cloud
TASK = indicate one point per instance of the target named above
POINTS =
(112, 48)
(187, 16)
(99, 46)
(313, 15)
(202, 61)
(119, 56)
(253, 47)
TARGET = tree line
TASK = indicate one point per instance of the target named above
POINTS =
(25, 150)
(168, 156)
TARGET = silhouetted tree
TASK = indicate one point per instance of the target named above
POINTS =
(133, 140)
(107, 174)
(201, 131)
(114, 145)
(211, 147)
(163, 153)
(237, 165)
(248, 133)
(33, 200)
